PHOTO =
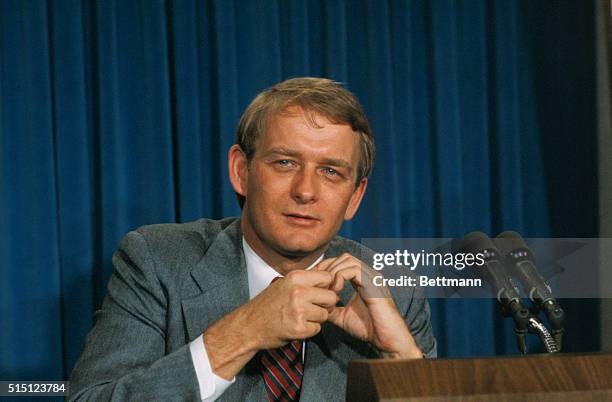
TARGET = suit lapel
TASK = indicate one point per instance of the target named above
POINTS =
(221, 282)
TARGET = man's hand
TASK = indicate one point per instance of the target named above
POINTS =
(371, 314)
(290, 308)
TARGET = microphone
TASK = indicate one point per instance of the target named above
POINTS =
(521, 261)
(493, 273)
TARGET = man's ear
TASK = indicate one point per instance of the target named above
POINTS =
(355, 200)
(238, 169)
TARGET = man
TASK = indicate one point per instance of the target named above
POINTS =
(193, 311)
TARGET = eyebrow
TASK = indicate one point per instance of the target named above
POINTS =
(293, 153)
(338, 163)
(281, 151)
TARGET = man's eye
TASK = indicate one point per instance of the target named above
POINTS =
(330, 172)
(283, 162)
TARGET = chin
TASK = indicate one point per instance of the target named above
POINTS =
(299, 248)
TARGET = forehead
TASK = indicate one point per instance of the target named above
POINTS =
(309, 133)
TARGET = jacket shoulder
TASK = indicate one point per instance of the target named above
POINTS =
(176, 245)
(200, 233)
(341, 245)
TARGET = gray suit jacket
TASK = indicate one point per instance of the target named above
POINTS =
(169, 284)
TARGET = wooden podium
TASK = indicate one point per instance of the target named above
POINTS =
(559, 377)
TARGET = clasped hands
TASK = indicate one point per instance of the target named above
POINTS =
(296, 306)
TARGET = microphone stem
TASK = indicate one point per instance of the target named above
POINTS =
(538, 328)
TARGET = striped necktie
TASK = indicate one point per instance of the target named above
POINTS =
(282, 371)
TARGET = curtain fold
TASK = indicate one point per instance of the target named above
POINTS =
(117, 114)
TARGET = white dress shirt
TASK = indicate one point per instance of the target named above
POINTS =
(259, 275)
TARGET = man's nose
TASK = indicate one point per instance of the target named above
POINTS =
(305, 187)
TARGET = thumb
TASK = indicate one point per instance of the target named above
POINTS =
(336, 316)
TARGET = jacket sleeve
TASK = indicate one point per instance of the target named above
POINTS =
(418, 319)
(124, 357)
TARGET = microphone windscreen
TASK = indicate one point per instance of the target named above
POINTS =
(476, 242)
(510, 241)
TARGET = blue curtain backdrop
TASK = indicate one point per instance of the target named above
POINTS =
(116, 114)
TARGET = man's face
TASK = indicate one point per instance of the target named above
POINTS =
(300, 185)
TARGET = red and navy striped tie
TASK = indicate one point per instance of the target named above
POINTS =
(282, 371)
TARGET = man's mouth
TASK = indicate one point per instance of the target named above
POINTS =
(301, 219)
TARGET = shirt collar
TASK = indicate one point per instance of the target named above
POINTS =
(259, 273)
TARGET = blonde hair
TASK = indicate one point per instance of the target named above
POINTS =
(315, 96)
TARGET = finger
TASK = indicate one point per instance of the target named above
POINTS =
(310, 278)
(335, 316)
(351, 274)
(312, 328)
(343, 258)
(323, 265)
(356, 261)
(366, 273)
(322, 297)
(337, 284)
(316, 314)
(361, 279)
(346, 271)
